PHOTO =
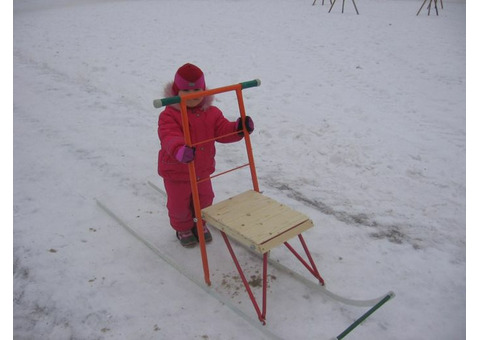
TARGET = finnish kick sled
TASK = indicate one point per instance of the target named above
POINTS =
(252, 219)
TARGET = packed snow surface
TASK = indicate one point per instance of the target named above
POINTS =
(359, 123)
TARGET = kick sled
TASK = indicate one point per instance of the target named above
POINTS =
(250, 218)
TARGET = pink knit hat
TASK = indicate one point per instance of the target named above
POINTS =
(188, 77)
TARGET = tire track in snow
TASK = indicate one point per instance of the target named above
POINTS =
(392, 233)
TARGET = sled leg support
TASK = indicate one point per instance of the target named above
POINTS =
(260, 224)
(312, 268)
(263, 312)
(365, 316)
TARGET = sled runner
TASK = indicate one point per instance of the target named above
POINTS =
(250, 218)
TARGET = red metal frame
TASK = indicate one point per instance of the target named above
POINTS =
(196, 202)
(312, 268)
(261, 314)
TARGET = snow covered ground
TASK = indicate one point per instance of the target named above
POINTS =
(360, 123)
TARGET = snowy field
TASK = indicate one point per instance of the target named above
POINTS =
(360, 123)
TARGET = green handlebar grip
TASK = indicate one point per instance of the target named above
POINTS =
(157, 103)
(251, 83)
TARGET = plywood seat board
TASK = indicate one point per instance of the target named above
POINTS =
(255, 220)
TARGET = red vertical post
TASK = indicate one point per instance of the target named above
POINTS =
(195, 195)
(265, 285)
(248, 143)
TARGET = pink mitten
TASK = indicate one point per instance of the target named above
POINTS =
(185, 154)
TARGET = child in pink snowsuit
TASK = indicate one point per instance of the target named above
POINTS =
(206, 122)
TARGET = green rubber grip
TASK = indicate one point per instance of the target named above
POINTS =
(157, 103)
(251, 83)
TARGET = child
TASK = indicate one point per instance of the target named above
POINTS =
(206, 122)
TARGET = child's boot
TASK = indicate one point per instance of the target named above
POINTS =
(206, 233)
(186, 238)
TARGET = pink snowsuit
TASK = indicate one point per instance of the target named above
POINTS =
(206, 122)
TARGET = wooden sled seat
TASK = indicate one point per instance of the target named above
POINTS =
(256, 221)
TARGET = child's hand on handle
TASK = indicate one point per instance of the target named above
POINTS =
(185, 154)
(248, 124)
